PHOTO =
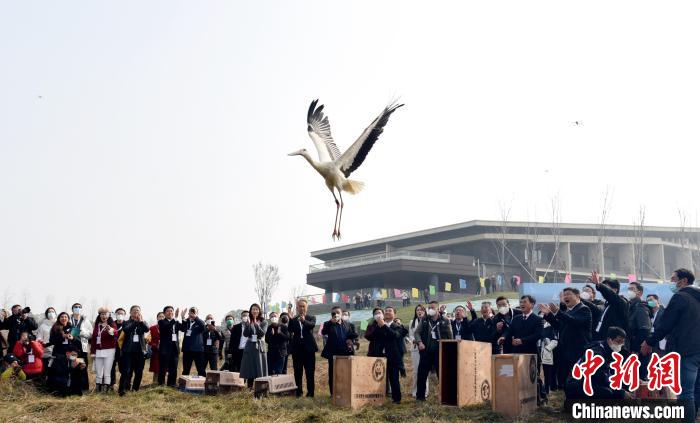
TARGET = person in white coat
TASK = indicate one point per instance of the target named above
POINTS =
(418, 316)
(82, 328)
(43, 334)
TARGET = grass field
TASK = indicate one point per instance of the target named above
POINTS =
(23, 403)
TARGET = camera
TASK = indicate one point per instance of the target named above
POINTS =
(26, 310)
(213, 323)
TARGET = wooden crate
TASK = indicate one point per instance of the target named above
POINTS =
(643, 392)
(274, 385)
(194, 384)
(514, 378)
(213, 376)
(232, 379)
(211, 388)
(465, 372)
(358, 381)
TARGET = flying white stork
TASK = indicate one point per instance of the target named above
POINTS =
(334, 167)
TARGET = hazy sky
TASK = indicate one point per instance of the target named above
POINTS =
(143, 145)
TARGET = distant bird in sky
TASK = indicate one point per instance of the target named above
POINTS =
(578, 123)
(333, 166)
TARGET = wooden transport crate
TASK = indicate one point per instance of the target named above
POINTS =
(274, 385)
(194, 384)
(643, 392)
(231, 379)
(358, 381)
(514, 378)
(465, 372)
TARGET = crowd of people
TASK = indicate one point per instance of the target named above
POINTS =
(59, 351)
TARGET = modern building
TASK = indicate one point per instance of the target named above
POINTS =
(530, 251)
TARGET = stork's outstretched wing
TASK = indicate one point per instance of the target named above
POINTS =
(355, 155)
(320, 132)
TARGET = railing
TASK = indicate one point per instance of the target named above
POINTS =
(379, 258)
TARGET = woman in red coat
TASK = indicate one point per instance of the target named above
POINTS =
(103, 346)
(29, 353)
(154, 342)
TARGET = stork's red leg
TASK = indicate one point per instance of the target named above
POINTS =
(341, 211)
(336, 230)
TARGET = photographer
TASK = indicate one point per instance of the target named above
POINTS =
(212, 341)
(19, 321)
(29, 353)
(11, 369)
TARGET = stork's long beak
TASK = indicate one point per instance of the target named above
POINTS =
(293, 153)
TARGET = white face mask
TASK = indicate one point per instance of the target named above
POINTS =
(120, 317)
(378, 316)
(631, 295)
(336, 317)
(76, 310)
(346, 318)
(504, 310)
(52, 316)
(585, 295)
(274, 320)
(431, 312)
(616, 347)
(72, 357)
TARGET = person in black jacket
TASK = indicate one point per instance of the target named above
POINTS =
(169, 348)
(384, 336)
(588, 294)
(616, 309)
(276, 337)
(65, 375)
(213, 339)
(192, 344)
(484, 327)
(20, 321)
(303, 347)
(237, 343)
(284, 320)
(656, 314)
(639, 323)
(596, 312)
(460, 326)
(133, 351)
(339, 342)
(502, 321)
(119, 318)
(353, 329)
(680, 325)
(574, 326)
(432, 329)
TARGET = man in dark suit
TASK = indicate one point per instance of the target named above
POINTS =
(236, 344)
(461, 329)
(502, 320)
(386, 336)
(339, 342)
(574, 326)
(303, 347)
(656, 314)
(484, 327)
(193, 342)
(169, 347)
(616, 309)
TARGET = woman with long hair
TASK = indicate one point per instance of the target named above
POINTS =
(43, 335)
(154, 343)
(61, 335)
(254, 362)
(418, 316)
(103, 345)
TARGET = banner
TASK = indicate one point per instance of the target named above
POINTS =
(540, 279)
(448, 286)
(482, 281)
(364, 324)
(384, 294)
(517, 280)
(567, 278)
(462, 284)
(397, 293)
(414, 292)
(346, 298)
(432, 289)
(632, 278)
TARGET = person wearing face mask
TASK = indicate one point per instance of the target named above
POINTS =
(66, 372)
(356, 340)
(547, 344)
(102, 346)
(433, 328)
(276, 338)
(339, 342)
(484, 327)
(192, 344)
(119, 318)
(639, 323)
(224, 350)
(154, 342)
(656, 312)
(616, 310)
(588, 294)
(43, 335)
(212, 342)
(679, 324)
(418, 316)
(600, 381)
(237, 343)
(384, 336)
(20, 321)
(254, 362)
(303, 348)
(169, 346)
(502, 321)
(134, 350)
(574, 326)
(82, 330)
(29, 354)
(596, 312)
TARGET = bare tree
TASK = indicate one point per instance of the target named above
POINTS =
(297, 291)
(556, 235)
(266, 282)
(685, 236)
(501, 241)
(638, 250)
(26, 297)
(600, 242)
(49, 301)
(7, 298)
(531, 248)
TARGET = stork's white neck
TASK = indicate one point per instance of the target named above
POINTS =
(311, 161)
